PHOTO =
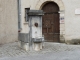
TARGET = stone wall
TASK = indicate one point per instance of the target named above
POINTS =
(8, 21)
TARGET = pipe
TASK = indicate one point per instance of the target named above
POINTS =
(19, 15)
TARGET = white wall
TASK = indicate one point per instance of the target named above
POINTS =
(72, 21)
(8, 21)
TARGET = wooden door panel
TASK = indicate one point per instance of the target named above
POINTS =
(48, 37)
(50, 30)
(44, 30)
(56, 38)
(57, 28)
(50, 22)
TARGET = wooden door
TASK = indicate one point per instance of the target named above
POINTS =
(50, 22)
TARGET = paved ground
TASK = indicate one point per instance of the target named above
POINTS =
(51, 51)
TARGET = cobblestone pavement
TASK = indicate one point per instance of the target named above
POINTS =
(56, 51)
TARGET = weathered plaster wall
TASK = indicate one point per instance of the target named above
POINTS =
(24, 25)
(8, 21)
(72, 21)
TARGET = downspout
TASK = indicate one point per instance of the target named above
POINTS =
(19, 15)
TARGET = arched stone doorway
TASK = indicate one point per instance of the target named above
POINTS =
(41, 3)
(50, 22)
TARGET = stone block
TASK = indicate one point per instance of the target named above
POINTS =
(37, 46)
(23, 45)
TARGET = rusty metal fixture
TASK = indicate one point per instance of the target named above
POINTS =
(19, 31)
(36, 24)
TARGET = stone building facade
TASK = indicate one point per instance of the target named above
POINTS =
(68, 19)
